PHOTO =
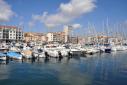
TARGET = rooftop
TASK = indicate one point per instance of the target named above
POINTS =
(2, 26)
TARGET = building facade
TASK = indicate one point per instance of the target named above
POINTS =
(63, 37)
(68, 33)
(11, 33)
(29, 36)
(56, 37)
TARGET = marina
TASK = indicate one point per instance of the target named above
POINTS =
(24, 51)
(63, 42)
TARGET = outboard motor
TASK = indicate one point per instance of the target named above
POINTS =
(46, 55)
(60, 56)
(69, 54)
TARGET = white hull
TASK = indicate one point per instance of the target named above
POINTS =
(41, 55)
(91, 50)
(3, 58)
(53, 54)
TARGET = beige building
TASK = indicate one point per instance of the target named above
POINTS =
(101, 39)
(56, 37)
(63, 37)
(67, 31)
(29, 36)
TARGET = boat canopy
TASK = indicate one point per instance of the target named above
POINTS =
(13, 54)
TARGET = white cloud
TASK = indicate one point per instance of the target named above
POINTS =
(67, 12)
(36, 18)
(75, 26)
(5, 11)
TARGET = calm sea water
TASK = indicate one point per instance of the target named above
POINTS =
(104, 69)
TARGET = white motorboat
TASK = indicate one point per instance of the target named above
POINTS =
(53, 53)
(41, 55)
(92, 50)
(64, 53)
(3, 56)
(120, 48)
(15, 49)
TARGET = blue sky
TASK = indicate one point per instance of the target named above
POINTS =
(24, 11)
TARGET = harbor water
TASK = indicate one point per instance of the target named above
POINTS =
(97, 69)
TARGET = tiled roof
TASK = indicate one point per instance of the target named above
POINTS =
(8, 27)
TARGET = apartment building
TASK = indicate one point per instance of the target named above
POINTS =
(56, 37)
(29, 36)
(11, 33)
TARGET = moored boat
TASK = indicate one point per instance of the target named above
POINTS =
(14, 55)
(3, 56)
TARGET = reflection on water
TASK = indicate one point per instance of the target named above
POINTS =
(98, 69)
(4, 70)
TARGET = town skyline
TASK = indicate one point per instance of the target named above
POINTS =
(44, 16)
